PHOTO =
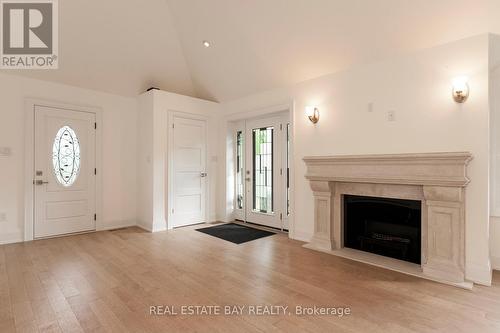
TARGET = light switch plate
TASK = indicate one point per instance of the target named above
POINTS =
(391, 115)
(5, 151)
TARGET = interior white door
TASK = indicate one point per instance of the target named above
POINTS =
(189, 171)
(64, 171)
(264, 172)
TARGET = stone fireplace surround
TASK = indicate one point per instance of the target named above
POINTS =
(438, 180)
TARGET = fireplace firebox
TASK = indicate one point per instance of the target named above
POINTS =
(384, 226)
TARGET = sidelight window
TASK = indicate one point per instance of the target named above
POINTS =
(239, 170)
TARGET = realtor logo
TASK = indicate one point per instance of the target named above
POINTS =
(29, 34)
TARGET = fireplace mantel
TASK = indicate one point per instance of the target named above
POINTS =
(438, 180)
(433, 169)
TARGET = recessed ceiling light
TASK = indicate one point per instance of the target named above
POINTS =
(206, 43)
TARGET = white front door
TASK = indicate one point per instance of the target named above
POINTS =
(189, 177)
(64, 171)
(265, 172)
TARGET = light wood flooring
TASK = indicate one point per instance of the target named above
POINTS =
(107, 281)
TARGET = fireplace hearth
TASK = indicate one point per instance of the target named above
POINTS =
(388, 227)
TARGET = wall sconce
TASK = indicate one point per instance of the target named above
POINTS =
(460, 89)
(312, 113)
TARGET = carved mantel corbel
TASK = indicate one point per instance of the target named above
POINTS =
(323, 192)
(445, 237)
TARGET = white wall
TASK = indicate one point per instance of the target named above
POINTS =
(494, 64)
(144, 161)
(154, 110)
(119, 153)
(418, 88)
(495, 242)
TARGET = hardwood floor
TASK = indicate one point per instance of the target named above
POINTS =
(107, 281)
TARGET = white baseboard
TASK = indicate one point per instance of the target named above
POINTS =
(301, 236)
(11, 237)
(158, 229)
(495, 263)
(117, 225)
(153, 229)
(480, 274)
(143, 227)
(225, 219)
(17, 237)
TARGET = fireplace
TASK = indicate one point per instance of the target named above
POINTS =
(388, 227)
(424, 224)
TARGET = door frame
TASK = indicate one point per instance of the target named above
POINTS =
(170, 163)
(263, 112)
(238, 126)
(29, 159)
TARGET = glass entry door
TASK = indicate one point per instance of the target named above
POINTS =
(264, 171)
(64, 172)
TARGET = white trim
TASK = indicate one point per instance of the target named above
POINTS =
(480, 274)
(495, 211)
(118, 225)
(266, 111)
(494, 81)
(302, 236)
(169, 163)
(29, 109)
(292, 232)
(143, 227)
(11, 237)
(238, 213)
(495, 263)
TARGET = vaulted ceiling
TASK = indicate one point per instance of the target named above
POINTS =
(126, 46)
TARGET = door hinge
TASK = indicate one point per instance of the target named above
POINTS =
(172, 210)
(281, 127)
(173, 125)
(95, 125)
(95, 171)
(95, 217)
(281, 216)
(281, 172)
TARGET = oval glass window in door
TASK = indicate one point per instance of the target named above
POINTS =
(66, 156)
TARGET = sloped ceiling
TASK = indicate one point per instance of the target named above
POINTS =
(260, 44)
(118, 46)
(125, 46)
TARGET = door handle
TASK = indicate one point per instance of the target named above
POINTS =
(39, 182)
(203, 174)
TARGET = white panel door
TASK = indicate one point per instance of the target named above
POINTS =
(64, 172)
(189, 172)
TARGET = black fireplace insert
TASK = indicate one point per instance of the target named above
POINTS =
(388, 227)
